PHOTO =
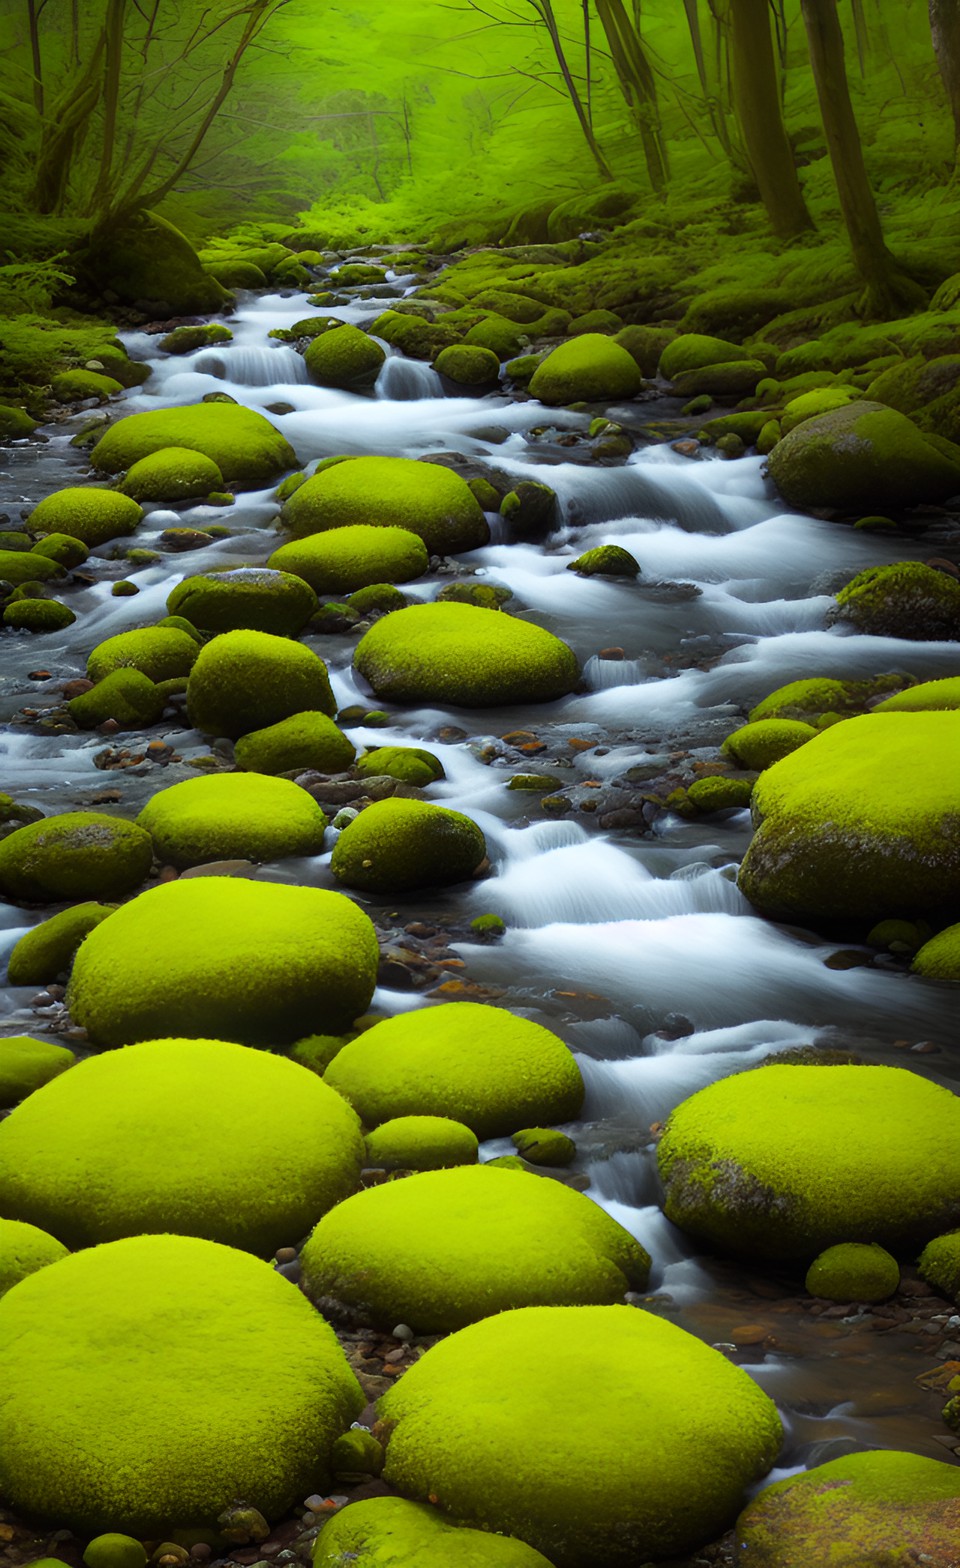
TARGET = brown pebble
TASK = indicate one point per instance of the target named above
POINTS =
(76, 688)
(39, 675)
(749, 1334)
(686, 448)
(285, 1255)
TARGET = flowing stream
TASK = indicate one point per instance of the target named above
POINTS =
(636, 947)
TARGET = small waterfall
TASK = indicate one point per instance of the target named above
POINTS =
(407, 380)
(252, 365)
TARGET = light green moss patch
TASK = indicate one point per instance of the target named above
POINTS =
(476, 1064)
(397, 492)
(344, 559)
(939, 1264)
(736, 378)
(160, 652)
(759, 744)
(248, 680)
(148, 259)
(27, 1064)
(587, 369)
(245, 446)
(127, 696)
(810, 405)
(344, 357)
(62, 548)
(248, 597)
(46, 952)
(38, 615)
(232, 816)
(74, 855)
(853, 1271)
(468, 365)
(939, 959)
(28, 566)
(384, 1532)
(23, 1250)
(906, 599)
(183, 340)
(410, 764)
(695, 351)
(927, 696)
(421, 1143)
(394, 846)
(811, 698)
(720, 793)
(544, 1146)
(607, 560)
(861, 457)
(72, 386)
(87, 513)
(174, 474)
(305, 740)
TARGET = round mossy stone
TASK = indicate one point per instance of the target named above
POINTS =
(160, 652)
(410, 764)
(28, 566)
(75, 855)
(23, 1250)
(633, 1407)
(398, 492)
(421, 1143)
(468, 365)
(939, 1264)
(129, 698)
(811, 699)
(38, 616)
(262, 962)
(15, 423)
(785, 1161)
(870, 1508)
(456, 653)
(232, 816)
(27, 1064)
(907, 599)
(384, 1532)
(90, 1156)
(62, 548)
(73, 385)
(444, 1248)
(344, 559)
(377, 599)
(809, 405)
(183, 340)
(697, 351)
(476, 1064)
(176, 473)
(861, 457)
(544, 1146)
(853, 1271)
(116, 1551)
(44, 953)
(127, 1327)
(86, 513)
(926, 697)
(249, 597)
(719, 793)
(344, 357)
(760, 744)
(858, 823)
(244, 445)
(247, 680)
(305, 740)
(396, 845)
(589, 368)
(939, 958)
(607, 560)
(316, 1051)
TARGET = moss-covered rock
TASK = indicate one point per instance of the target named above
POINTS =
(734, 378)
(906, 599)
(23, 1250)
(344, 357)
(785, 1161)
(61, 548)
(939, 958)
(38, 615)
(160, 652)
(28, 566)
(468, 365)
(544, 1146)
(72, 386)
(306, 740)
(183, 340)
(439, 653)
(421, 1143)
(939, 1264)
(15, 423)
(263, 962)
(764, 742)
(413, 335)
(127, 1327)
(68, 1162)
(345, 559)
(445, 1248)
(174, 474)
(27, 1064)
(606, 560)
(696, 351)
(87, 513)
(810, 405)
(498, 336)
(74, 855)
(398, 492)
(587, 369)
(245, 446)
(876, 1507)
(812, 698)
(719, 792)
(863, 456)
(115, 1551)
(232, 816)
(479, 1065)
(410, 764)
(645, 345)
(46, 952)
(381, 1531)
(377, 599)
(245, 681)
(395, 846)
(853, 1271)
(127, 696)
(530, 510)
(859, 823)
(148, 262)
(634, 1406)
(248, 597)
(927, 696)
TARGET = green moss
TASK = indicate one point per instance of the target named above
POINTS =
(764, 742)
(544, 1146)
(487, 925)
(287, 486)
(232, 1179)
(438, 653)
(516, 307)
(248, 597)
(394, 846)
(74, 855)
(27, 566)
(734, 378)
(939, 958)
(377, 599)
(38, 615)
(124, 590)
(245, 681)
(738, 312)
(27, 1064)
(939, 1264)
(720, 793)
(863, 456)
(146, 261)
(498, 336)
(530, 509)
(421, 1143)
(484, 596)
(126, 696)
(591, 368)
(23, 1250)
(906, 599)
(812, 697)
(201, 1311)
(344, 357)
(15, 539)
(71, 386)
(15, 423)
(357, 556)
(159, 652)
(232, 816)
(304, 741)
(398, 492)
(183, 340)
(62, 548)
(115, 1551)
(601, 1489)
(479, 1065)
(810, 405)
(645, 345)
(412, 335)
(263, 962)
(176, 473)
(445, 1248)
(770, 434)
(852, 1271)
(410, 764)
(86, 513)
(787, 1160)
(696, 351)
(606, 560)
(245, 446)
(468, 366)
(604, 321)
(381, 1532)
(927, 696)
(315, 1052)
(46, 952)
(899, 936)
(521, 371)
(354, 274)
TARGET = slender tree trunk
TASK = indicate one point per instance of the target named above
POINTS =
(112, 67)
(33, 18)
(945, 31)
(887, 290)
(713, 104)
(546, 11)
(638, 85)
(64, 132)
(756, 95)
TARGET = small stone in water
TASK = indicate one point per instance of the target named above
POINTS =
(403, 1331)
(285, 1255)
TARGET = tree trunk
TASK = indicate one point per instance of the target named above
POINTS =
(638, 85)
(546, 12)
(33, 19)
(945, 31)
(887, 291)
(756, 96)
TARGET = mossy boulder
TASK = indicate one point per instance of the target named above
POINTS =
(476, 1064)
(344, 559)
(15, 423)
(444, 1248)
(116, 1551)
(46, 952)
(633, 1407)
(645, 345)
(378, 1532)
(605, 560)
(544, 1146)
(815, 696)
(305, 740)
(853, 1271)
(736, 378)
(265, 963)
(760, 744)
(939, 1264)
(74, 855)
(468, 365)
(247, 680)
(530, 510)
(183, 340)
(126, 696)
(87, 513)
(232, 816)
(126, 1327)
(736, 310)
(61, 548)
(353, 274)
(498, 336)
(514, 305)
(719, 792)
(377, 599)
(27, 566)
(255, 598)
(395, 846)
(859, 823)
(245, 446)
(23, 1250)
(587, 369)
(810, 405)
(160, 652)
(344, 357)
(38, 616)
(397, 492)
(877, 1507)
(456, 653)
(906, 599)
(148, 262)
(69, 1164)
(927, 696)
(410, 764)
(785, 1161)
(73, 386)
(863, 457)
(696, 351)
(27, 1064)
(421, 1143)
(939, 958)
(413, 335)
(174, 474)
